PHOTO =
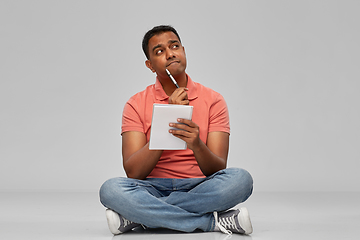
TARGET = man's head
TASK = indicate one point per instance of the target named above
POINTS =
(164, 50)
(155, 31)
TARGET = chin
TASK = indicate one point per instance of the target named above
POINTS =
(177, 71)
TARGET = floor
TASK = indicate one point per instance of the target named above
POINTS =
(275, 216)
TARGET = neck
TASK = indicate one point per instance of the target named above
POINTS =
(169, 86)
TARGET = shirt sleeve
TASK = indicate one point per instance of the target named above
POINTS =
(219, 116)
(131, 120)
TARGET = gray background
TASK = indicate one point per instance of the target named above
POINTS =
(289, 71)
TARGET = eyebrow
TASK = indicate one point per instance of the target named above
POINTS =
(173, 41)
(157, 46)
(170, 42)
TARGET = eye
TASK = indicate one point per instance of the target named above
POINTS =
(159, 51)
(175, 46)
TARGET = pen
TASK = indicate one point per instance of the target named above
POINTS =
(172, 78)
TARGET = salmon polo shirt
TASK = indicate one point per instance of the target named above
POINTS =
(210, 113)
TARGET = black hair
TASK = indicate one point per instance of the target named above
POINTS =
(155, 31)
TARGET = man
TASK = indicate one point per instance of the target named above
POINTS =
(183, 190)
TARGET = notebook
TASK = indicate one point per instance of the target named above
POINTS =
(163, 114)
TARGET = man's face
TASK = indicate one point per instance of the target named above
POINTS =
(166, 51)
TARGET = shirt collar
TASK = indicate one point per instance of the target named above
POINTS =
(161, 95)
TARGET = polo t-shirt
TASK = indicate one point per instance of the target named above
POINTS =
(210, 113)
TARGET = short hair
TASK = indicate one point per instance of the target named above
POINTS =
(155, 31)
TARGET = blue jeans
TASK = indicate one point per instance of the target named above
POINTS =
(179, 204)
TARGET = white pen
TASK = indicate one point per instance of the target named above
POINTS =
(172, 78)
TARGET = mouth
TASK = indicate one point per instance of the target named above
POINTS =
(172, 63)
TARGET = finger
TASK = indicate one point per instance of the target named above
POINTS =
(180, 134)
(181, 95)
(180, 90)
(185, 139)
(185, 102)
(187, 122)
(180, 126)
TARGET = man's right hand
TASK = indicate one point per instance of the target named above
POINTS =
(179, 96)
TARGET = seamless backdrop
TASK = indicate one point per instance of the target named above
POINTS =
(289, 71)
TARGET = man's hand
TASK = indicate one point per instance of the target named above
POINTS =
(179, 96)
(188, 131)
(211, 156)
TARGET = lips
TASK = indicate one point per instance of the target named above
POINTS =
(172, 63)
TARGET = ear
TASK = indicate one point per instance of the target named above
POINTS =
(149, 65)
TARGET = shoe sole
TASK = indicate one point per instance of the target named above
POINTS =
(113, 220)
(245, 222)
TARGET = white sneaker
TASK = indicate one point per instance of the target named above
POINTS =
(117, 223)
(237, 221)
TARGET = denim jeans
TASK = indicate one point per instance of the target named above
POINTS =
(178, 204)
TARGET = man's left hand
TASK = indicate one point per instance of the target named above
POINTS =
(188, 131)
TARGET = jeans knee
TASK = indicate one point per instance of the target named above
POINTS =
(240, 173)
(106, 191)
(243, 181)
(246, 176)
(247, 182)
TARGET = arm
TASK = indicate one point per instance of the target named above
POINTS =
(211, 156)
(138, 160)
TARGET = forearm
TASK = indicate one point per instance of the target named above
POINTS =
(140, 164)
(208, 162)
(212, 156)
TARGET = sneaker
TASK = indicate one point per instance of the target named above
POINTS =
(117, 223)
(237, 221)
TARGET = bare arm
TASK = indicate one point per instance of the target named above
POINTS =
(138, 160)
(211, 156)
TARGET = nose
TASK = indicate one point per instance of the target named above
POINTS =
(169, 54)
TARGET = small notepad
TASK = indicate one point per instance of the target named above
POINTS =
(163, 114)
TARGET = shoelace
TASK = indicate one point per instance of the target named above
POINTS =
(224, 222)
(126, 222)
